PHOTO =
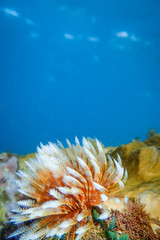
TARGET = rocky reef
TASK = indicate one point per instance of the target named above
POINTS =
(142, 161)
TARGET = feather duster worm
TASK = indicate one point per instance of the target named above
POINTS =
(63, 185)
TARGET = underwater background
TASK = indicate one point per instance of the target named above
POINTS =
(78, 68)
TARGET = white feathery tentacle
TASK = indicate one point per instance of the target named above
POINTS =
(63, 186)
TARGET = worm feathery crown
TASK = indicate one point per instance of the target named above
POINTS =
(63, 185)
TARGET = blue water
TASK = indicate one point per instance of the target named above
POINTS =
(86, 68)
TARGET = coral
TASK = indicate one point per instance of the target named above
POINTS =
(63, 187)
(134, 221)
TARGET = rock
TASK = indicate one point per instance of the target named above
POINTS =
(153, 141)
(142, 160)
(22, 159)
(8, 188)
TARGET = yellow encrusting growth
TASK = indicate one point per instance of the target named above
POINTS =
(63, 185)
